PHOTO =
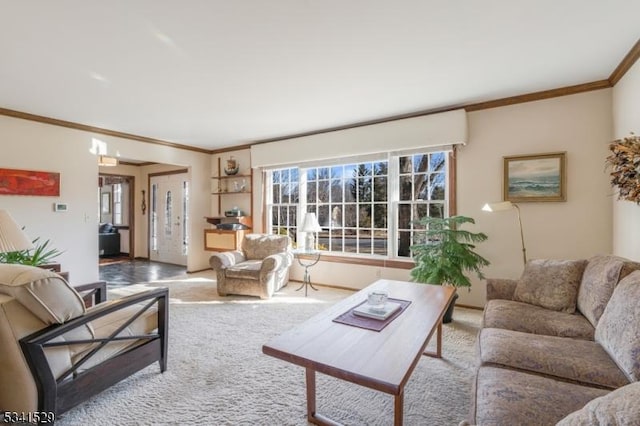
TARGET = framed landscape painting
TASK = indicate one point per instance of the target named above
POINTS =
(539, 177)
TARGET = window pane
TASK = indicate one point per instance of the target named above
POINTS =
(323, 191)
(365, 169)
(406, 191)
(312, 174)
(420, 163)
(437, 162)
(336, 191)
(323, 215)
(380, 242)
(275, 176)
(421, 187)
(380, 189)
(276, 194)
(324, 173)
(336, 240)
(336, 216)
(293, 216)
(405, 164)
(380, 168)
(436, 210)
(284, 175)
(364, 216)
(419, 211)
(295, 192)
(404, 216)
(282, 220)
(285, 189)
(404, 243)
(379, 215)
(336, 172)
(437, 186)
(312, 192)
(365, 243)
(364, 190)
(350, 215)
(350, 241)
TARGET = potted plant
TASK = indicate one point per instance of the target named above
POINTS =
(444, 252)
(39, 255)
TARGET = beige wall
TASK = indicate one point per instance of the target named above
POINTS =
(626, 119)
(580, 227)
(37, 146)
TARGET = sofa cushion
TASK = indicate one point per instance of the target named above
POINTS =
(46, 294)
(598, 281)
(620, 407)
(249, 269)
(618, 330)
(518, 316)
(259, 246)
(105, 326)
(581, 361)
(510, 397)
(552, 284)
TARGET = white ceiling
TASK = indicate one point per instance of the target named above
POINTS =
(218, 73)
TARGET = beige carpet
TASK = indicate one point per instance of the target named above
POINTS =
(217, 374)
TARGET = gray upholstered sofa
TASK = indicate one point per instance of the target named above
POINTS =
(260, 269)
(561, 344)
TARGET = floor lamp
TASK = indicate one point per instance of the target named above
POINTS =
(504, 206)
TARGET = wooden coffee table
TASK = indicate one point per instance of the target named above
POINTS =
(381, 360)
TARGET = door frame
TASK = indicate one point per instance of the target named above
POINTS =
(131, 180)
(149, 176)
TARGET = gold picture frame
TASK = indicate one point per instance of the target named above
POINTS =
(535, 178)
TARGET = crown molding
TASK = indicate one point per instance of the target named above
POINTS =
(86, 128)
(623, 67)
(627, 62)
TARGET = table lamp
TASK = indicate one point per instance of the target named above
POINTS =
(310, 226)
(12, 238)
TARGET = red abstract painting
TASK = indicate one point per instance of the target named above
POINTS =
(26, 182)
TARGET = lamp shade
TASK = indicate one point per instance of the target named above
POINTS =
(498, 206)
(12, 238)
(310, 223)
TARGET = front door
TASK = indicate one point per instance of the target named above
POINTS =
(169, 199)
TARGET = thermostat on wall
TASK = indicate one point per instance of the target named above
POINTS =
(60, 207)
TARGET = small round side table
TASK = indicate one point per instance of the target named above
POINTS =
(307, 259)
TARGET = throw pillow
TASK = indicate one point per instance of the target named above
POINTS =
(551, 284)
(619, 407)
(598, 281)
(617, 330)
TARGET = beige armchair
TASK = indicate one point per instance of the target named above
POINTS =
(55, 352)
(260, 269)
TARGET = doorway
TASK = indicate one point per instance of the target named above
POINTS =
(116, 209)
(169, 217)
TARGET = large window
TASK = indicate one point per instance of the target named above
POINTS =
(364, 208)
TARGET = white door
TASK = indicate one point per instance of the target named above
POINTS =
(169, 198)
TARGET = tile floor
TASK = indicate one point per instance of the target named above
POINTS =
(137, 271)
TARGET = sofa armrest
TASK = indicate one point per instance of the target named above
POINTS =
(274, 262)
(92, 293)
(501, 288)
(75, 387)
(224, 260)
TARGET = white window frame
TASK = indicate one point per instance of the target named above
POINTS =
(393, 198)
